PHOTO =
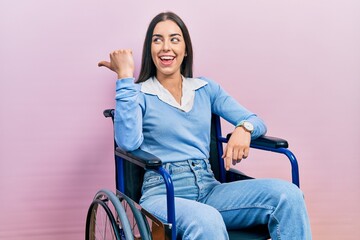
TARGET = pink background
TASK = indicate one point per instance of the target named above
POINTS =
(295, 63)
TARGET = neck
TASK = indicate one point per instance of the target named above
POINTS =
(173, 84)
(170, 82)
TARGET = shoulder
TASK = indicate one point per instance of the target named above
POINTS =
(205, 79)
(211, 85)
(194, 83)
(211, 82)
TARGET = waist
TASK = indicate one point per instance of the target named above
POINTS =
(187, 165)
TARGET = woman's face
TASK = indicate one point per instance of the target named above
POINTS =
(167, 49)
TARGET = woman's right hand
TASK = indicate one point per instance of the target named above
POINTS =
(121, 62)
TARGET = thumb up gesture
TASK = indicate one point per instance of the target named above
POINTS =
(121, 62)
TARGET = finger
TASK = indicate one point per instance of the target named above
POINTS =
(224, 153)
(228, 161)
(228, 158)
(246, 153)
(238, 160)
(240, 155)
(235, 154)
(104, 64)
(234, 162)
(121, 51)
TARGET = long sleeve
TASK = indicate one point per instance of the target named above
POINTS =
(128, 115)
(228, 108)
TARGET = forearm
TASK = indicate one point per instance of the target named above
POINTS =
(128, 115)
(259, 125)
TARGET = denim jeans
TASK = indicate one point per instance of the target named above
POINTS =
(205, 208)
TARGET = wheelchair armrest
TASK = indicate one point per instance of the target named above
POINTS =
(270, 142)
(267, 141)
(109, 113)
(140, 158)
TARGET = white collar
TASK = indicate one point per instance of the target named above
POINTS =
(189, 86)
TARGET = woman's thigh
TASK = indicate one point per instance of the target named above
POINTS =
(250, 202)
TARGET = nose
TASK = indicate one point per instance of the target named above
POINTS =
(166, 46)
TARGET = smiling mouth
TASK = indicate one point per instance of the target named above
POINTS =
(166, 60)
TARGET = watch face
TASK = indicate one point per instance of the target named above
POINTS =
(249, 126)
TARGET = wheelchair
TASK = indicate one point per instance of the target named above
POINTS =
(119, 216)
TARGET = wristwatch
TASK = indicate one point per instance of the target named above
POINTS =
(246, 125)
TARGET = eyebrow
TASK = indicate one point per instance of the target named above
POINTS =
(171, 35)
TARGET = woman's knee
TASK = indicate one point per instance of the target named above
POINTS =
(287, 194)
(285, 189)
(205, 224)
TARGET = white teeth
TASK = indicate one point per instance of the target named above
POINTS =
(166, 58)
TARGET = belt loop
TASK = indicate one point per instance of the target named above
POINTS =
(167, 167)
(207, 163)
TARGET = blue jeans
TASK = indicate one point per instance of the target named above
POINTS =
(205, 208)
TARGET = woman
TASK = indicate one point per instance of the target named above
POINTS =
(168, 114)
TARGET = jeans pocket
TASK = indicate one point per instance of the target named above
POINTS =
(152, 179)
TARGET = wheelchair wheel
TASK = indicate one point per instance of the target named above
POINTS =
(139, 224)
(100, 223)
(107, 218)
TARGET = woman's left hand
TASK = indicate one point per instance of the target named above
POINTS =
(237, 147)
